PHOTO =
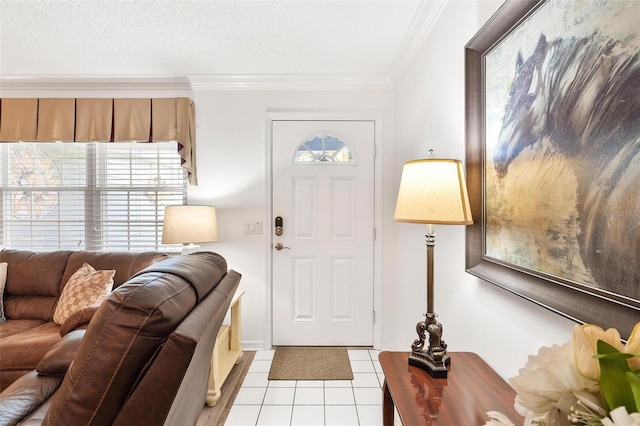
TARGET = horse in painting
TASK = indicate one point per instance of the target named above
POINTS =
(583, 95)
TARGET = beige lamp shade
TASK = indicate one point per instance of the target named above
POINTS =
(434, 191)
(189, 224)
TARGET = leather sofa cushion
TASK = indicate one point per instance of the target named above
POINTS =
(59, 358)
(30, 273)
(12, 366)
(125, 263)
(18, 326)
(33, 283)
(24, 350)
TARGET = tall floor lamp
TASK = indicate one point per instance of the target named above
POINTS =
(432, 191)
(188, 225)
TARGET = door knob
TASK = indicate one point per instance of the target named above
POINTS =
(279, 246)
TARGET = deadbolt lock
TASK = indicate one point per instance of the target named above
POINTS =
(278, 229)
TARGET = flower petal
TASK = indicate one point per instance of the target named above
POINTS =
(585, 340)
(633, 347)
(620, 417)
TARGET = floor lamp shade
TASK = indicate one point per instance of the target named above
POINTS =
(433, 190)
(189, 224)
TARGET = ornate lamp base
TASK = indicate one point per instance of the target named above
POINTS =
(425, 361)
(434, 359)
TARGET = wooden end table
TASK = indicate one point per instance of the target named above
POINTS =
(227, 351)
(462, 399)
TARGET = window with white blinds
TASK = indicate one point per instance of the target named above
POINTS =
(87, 196)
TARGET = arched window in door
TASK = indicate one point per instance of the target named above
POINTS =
(323, 148)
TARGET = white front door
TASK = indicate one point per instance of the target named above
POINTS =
(323, 187)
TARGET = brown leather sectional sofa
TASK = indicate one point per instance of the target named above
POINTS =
(144, 356)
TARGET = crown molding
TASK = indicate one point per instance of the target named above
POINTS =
(200, 82)
(94, 83)
(423, 22)
(290, 82)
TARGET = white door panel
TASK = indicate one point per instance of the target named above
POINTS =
(323, 278)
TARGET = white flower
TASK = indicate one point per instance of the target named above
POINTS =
(620, 417)
(560, 386)
(549, 385)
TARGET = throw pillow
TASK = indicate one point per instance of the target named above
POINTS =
(85, 287)
(79, 319)
(3, 280)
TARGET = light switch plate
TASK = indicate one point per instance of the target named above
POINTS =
(253, 228)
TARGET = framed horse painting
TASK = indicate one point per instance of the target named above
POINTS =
(553, 156)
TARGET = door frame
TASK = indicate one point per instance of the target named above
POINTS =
(293, 115)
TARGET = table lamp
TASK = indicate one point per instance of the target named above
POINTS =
(188, 225)
(432, 191)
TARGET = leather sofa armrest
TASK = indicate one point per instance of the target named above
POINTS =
(59, 358)
(25, 395)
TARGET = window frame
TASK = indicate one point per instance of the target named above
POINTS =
(142, 234)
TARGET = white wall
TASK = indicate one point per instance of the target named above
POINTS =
(477, 316)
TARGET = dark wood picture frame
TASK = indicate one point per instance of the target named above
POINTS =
(581, 303)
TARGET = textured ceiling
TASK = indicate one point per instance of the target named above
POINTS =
(209, 38)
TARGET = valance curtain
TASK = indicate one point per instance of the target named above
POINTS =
(103, 120)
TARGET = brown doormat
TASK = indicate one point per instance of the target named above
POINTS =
(310, 363)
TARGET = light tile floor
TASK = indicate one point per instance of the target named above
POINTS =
(261, 401)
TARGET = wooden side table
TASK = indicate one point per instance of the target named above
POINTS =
(462, 399)
(227, 350)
